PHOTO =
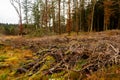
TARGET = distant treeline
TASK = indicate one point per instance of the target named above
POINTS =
(7, 25)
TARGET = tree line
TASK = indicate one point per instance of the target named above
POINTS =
(61, 16)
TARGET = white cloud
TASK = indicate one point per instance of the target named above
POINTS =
(7, 12)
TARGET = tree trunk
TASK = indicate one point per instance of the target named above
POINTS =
(20, 17)
(20, 26)
(69, 20)
(46, 15)
(77, 28)
(53, 17)
(93, 10)
(18, 10)
(59, 17)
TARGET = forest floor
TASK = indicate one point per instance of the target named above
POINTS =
(87, 56)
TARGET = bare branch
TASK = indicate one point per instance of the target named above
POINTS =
(12, 3)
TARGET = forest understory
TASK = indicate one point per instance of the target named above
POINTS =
(87, 56)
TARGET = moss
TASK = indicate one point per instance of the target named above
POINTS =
(48, 61)
(79, 64)
(40, 74)
(59, 75)
(74, 75)
(11, 59)
(3, 76)
(68, 52)
(4, 65)
(2, 58)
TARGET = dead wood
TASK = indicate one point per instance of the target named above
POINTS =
(81, 55)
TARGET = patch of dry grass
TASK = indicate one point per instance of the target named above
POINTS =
(110, 73)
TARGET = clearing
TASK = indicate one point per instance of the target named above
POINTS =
(87, 56)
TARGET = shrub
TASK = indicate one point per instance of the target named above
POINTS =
(9, 30)
(41, 32)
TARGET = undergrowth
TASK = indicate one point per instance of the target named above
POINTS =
(14, 58)
(49, 66)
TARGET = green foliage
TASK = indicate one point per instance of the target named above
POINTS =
(10, 30)
(3, 76)
(80, 64)
(41, 32)
(58, 76)
(2, 58)
(26, 4)
(1, 29)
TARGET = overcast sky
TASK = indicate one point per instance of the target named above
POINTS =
(7, 12)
